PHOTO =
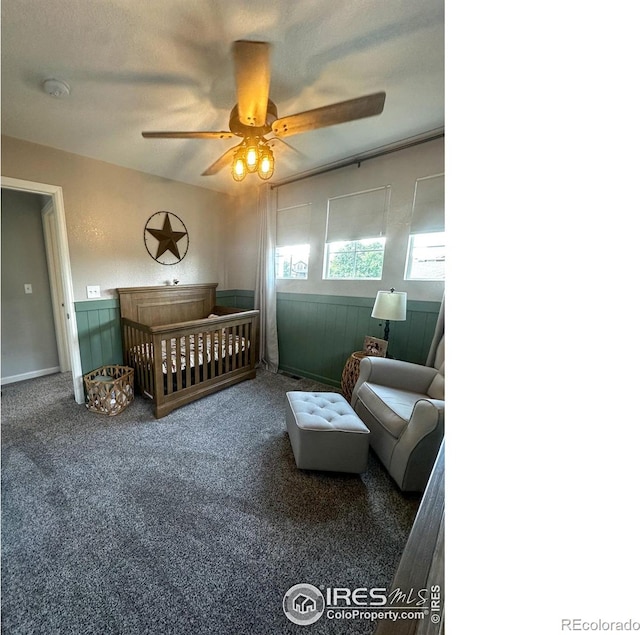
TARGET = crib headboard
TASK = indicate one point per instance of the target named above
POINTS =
(167, 304)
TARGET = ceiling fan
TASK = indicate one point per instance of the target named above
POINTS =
(255, 116)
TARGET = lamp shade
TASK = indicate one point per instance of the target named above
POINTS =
(390, 305)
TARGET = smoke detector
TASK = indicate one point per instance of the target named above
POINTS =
(56, 88)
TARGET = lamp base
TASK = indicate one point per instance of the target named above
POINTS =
(386, 338)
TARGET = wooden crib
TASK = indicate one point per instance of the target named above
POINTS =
(179, 353)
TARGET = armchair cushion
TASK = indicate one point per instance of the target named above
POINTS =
(392, 407)
(395, 374)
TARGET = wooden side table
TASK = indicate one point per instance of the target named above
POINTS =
(350, 374)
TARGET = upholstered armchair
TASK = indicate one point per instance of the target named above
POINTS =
(402, 404)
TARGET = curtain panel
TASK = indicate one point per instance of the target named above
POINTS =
(265, 296)
(437, 336)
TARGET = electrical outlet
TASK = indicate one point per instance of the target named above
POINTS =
(93, 291)
(28, 288)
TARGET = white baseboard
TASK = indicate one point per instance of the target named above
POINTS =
(31, 375)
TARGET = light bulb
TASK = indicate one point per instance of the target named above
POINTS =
(252, 158)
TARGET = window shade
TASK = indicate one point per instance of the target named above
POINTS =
(357, 216)
(428, 205)
(292, 225)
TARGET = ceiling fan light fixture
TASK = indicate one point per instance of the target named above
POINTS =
(267, 163)
(239, 166)
(255, 116)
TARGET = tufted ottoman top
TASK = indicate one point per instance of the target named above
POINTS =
(324, 411)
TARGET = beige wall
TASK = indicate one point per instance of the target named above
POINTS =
(106, 209)
(241, 230)
(399, 170)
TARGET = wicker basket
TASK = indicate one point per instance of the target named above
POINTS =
(350, 373)
(109, 389)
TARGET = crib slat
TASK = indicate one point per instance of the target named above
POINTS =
(220, 351)
(206, 355)
(197, 340)
(195, 361)
(237, 355)
(147, 346)
(179, 341)
(137, 343)
(229, 348)
(248, 345)
(188, 356)
(169, 374)
(243, 343)
(234, 347)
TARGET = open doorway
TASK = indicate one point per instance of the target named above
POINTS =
(55, 229)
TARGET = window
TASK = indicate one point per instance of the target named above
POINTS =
(355, 259)
(292, 262)
(355, 235)
(426, 252)
(425, 259)
(292, 240)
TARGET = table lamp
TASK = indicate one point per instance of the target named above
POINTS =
(390, 305)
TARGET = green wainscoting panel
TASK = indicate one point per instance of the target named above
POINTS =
(99, 333)
(235, 298)
(317, 333)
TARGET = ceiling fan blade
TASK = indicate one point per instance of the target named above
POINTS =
(341, 112)
(220, 163)
(220, 134)
(272, 143)
(253, 74)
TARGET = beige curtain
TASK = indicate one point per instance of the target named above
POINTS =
(437, 336)
(265, 295)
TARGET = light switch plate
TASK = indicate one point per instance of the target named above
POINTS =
(93, 291)
(28, 288)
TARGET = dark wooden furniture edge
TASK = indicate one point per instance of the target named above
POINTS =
(422, 563)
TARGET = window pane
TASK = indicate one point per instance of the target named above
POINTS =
(292, 262)
(355, 260)
(426, 257)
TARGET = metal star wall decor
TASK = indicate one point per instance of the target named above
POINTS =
(162, 241)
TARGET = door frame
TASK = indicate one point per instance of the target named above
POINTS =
(60, 246)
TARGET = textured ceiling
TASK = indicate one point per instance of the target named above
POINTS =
(167, 65)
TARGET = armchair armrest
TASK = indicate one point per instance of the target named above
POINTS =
(425, 416)
(418, 444)
(395, 374)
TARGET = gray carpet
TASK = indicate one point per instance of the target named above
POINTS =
(195, 523)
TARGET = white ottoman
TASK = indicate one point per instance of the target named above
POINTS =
(326, 433)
